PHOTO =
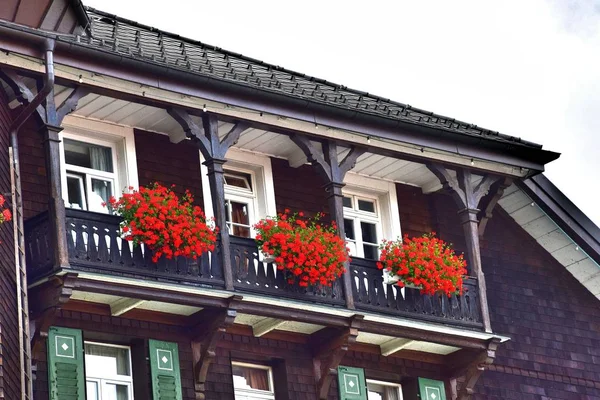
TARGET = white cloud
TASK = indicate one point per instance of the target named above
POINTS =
(525, 68)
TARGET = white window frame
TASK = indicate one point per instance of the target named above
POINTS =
(384, 192)
(256, 165)
(357, 216)
(240, 195)
(255, 393)
(388, 384)
(103, 381)
(118, 138)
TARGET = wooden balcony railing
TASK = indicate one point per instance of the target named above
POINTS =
(95, 245)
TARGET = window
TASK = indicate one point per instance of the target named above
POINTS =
(239, 202)
(90, 172)
(371, 214)
(252, 382)
(97, 160)
(362, 225)
(108, 372)
(249, 192)
(377, 390)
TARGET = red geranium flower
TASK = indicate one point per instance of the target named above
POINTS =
(426, 262)
(168, 225)
(311, 253)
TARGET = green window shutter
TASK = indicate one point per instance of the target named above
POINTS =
(166, 376)
(431, 389)
(66, 377)
(352, 384)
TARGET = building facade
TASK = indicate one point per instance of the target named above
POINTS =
(93, 104)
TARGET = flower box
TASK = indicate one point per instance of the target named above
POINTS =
(426, 263)
(307, 252)
(168, 225)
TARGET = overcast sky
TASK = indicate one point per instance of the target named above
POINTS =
(525, 68)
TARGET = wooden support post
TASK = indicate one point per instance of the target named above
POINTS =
(210, 326)
(333, 173)
(56, 205)
(467, 199)
(213, 149)
(329, 347)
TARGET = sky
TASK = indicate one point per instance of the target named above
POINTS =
(525, 68)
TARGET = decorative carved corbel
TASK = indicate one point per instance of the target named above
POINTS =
(488, 203)
(329, 347)
(476, 368)
(210, 325)
(69, 104)
(48, 300)
(21, 91)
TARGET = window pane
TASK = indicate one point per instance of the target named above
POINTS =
(115, 391)
(382, 392)
(91, 389)
(238, 179)
(88, 155)
(101, 192)
(75, 190)
(240, 219)
(349, 228)
(347, 202)
(370, 251)
(250, 378)
(102, 361)
(368, 232)
(366, 205)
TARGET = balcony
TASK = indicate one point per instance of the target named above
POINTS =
(95, 245)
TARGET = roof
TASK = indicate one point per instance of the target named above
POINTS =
(131, 39)
(555, 223)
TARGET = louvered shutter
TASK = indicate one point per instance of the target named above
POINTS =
(66, 376)
(164, 364)
(351, 383)
(431, 389)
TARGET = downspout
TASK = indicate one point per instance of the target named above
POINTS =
(19, 236)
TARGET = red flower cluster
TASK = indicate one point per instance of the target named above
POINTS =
(310, 252)
(426, 262)
(168, 225)
(5, 215)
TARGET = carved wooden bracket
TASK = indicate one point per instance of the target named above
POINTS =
(327, 162)
(21, 91)
(488, 203)
(476, 368)
(69, 104)
(48, 300)
(329, 347)
(211, 325)
(207, 137)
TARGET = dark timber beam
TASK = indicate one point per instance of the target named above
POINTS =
(328, 348)
(210, 326)
(213, 149)
(468, 197)
(333, 172)
(46, 301)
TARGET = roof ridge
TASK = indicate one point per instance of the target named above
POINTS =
(409, 110)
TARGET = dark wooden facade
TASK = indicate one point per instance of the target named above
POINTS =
(532, 299)
(551, 319)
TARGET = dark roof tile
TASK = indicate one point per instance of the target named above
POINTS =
(128, 38)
